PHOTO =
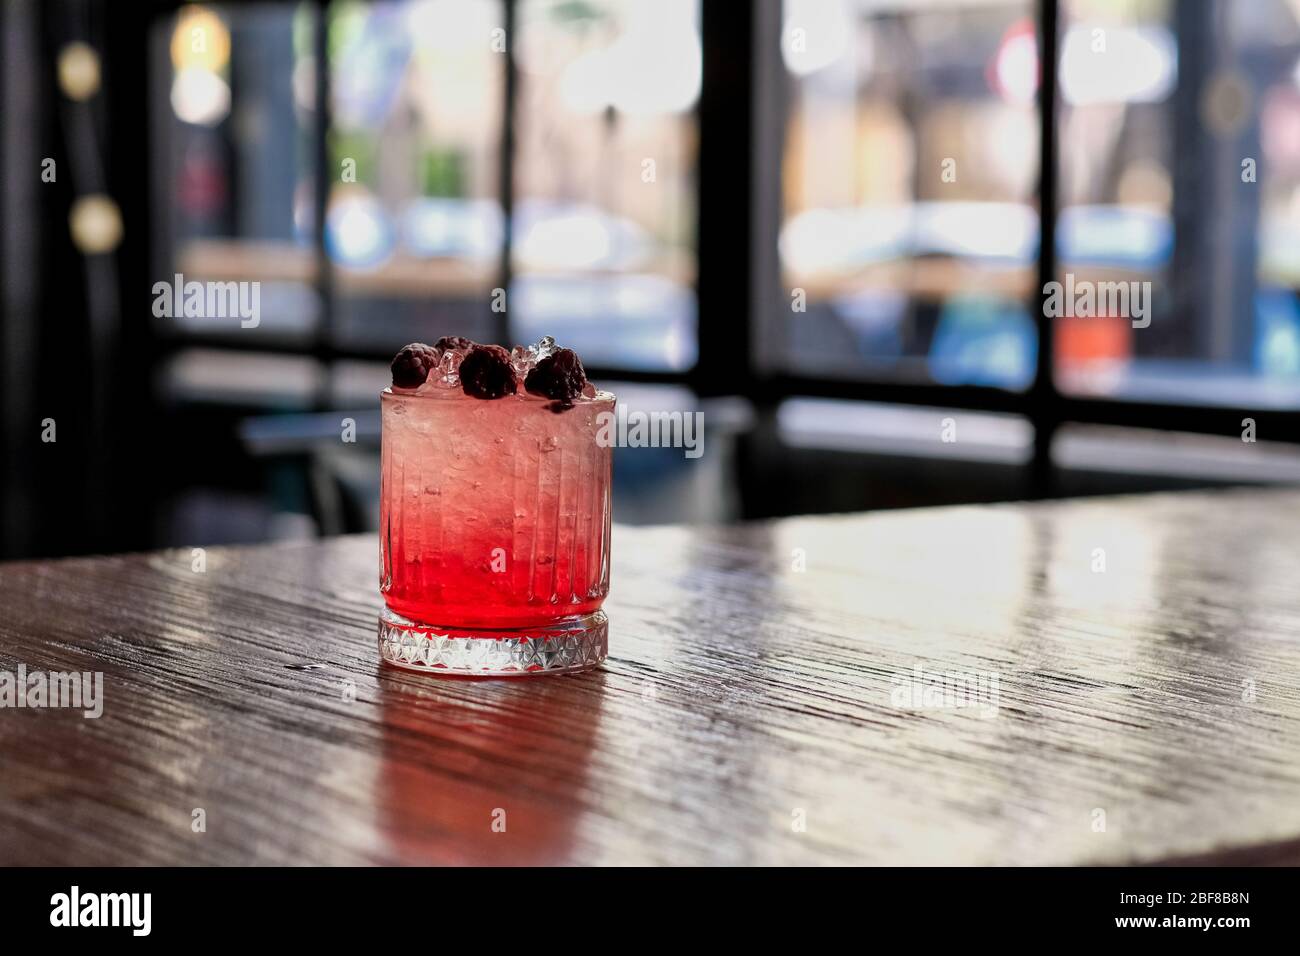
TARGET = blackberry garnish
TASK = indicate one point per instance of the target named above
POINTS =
(412, 364)
(486, 372)
(453, 342)
(559, 376)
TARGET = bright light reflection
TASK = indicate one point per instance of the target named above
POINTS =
(1015, 69)
(200, 97)
(816, 34)
(654, 66)
(200, 40)
(358, 232)
(1138, 65)
(572, 240)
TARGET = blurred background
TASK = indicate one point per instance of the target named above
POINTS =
(826, 224)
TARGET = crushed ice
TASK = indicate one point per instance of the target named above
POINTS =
(447, 372)
(525, 357)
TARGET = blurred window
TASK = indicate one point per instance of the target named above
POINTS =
(910, 170)
(604, 249)
(414, 225)
(233, 121)
(909, 222)
(1180, 163)
(604, 192)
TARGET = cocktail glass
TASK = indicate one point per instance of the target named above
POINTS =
(494, 532)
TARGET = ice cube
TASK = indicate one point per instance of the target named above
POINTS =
(523, 360)
(524, 357)
(447, 374)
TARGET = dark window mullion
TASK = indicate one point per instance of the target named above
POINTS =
(725, 211)
(326, 339)
(1044, 403)
(506, 174)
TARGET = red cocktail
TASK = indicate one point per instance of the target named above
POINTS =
(494, 511)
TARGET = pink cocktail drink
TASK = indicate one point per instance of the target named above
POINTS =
(494, 512)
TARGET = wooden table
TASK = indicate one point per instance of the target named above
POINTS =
(750, 713)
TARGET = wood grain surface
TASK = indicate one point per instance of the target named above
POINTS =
(750, 712)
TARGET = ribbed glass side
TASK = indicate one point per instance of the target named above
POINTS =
(493, 513)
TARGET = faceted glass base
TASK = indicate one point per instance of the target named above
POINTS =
(563, 646)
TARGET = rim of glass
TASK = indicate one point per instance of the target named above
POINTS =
(601, 397)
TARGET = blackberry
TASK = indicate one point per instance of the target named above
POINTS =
(559, 376)
(486, 372)
(412, 364)
(453, 342)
